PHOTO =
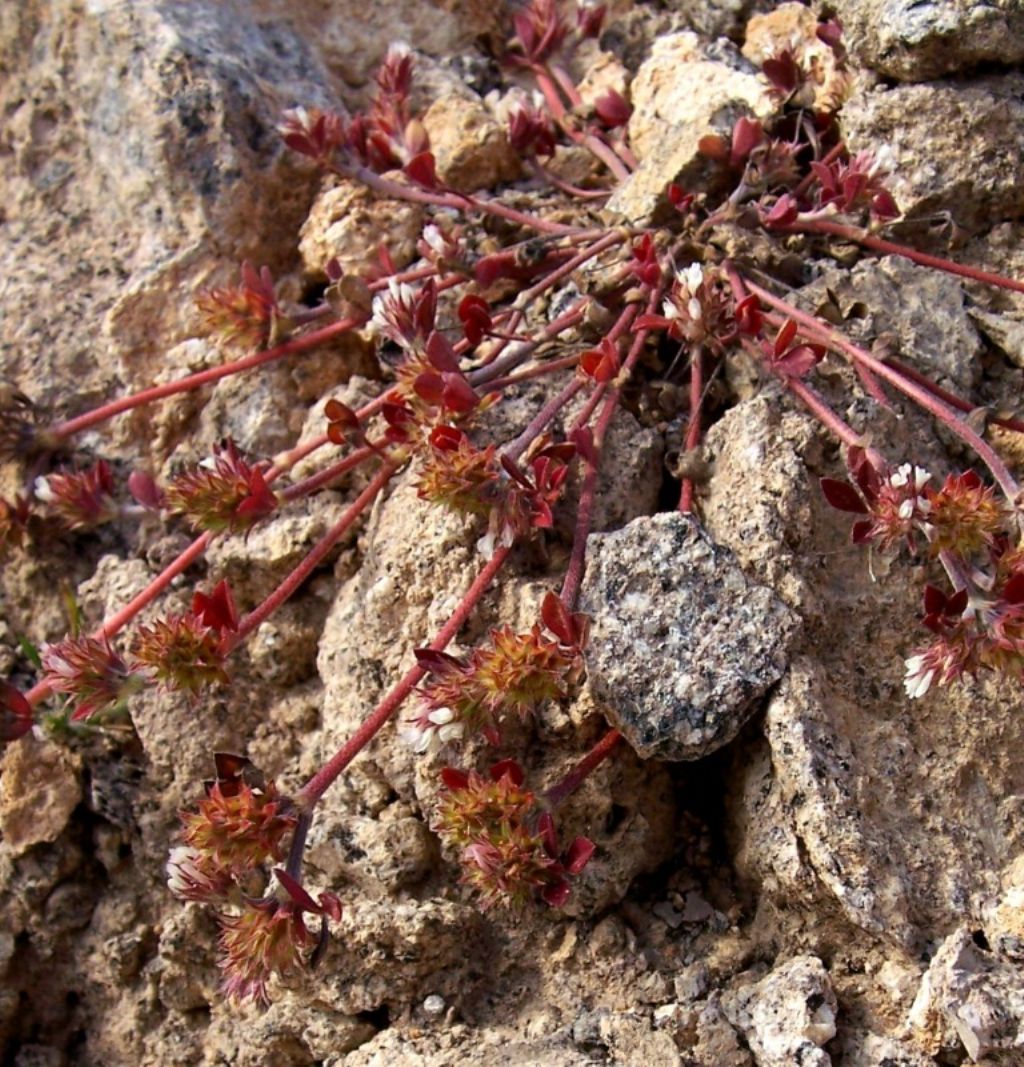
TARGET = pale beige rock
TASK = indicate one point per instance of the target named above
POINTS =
(921, 314)
(788, 1015)
(348, 222)
(972, 994)
(950, 146)
(39, 789)
(470, 149)
(681, 94)
(914, 42)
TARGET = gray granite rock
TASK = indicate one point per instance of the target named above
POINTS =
(682, 643)
(949, 146)
(788, 1015)
(913, 40)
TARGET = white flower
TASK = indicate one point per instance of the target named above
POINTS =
(434, 238)
(428, 736)
(43, 491)
(691, 278)
(918, 678)
(184, 873)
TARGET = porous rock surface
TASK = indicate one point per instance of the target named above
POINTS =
(914, 41)
(682, 643)
(683, 92)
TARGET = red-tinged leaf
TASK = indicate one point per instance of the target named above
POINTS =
(970, 480)
(492, 735)
(509, 768)
(842, 496)
(582, 440)
(446, 438)
(330, 906)
(295, 890)
(861, 532)
(218, 610)
(560, 452)
(679, 198)
(430, 659)
(524, 31)
(513, 470)
(884, 206)
(612, 109)
(749, 319)
(340, 413)
(300, 142)
(830, 33)
(651, 322)
(596, 365)
(589, 19)
(440, 352)
(458, 394)
(543, 518)
(260, 501)
(425, 311)
(555, 616)
(747, 134)
(579, 854)
(397, 415)
(429, 387)
(787, 331)
(15, 713)
(490, 268)
(454, 780)
(865, 474)
(956, 605)
(230, 766)
(556, 894)
(548, 834)
(784, 212)
(800, 361)
(145, 490)
(934, 600)
(1013, 591)
(422, 171)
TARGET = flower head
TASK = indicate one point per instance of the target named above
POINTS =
(193, 874)
(182, 651)
(964, 516)
(248, 313)
(511, 675)
(507, 845)
(270, 936)
(238, 825)
(224, 493)
(80, 499)
(895, 501)
(95, 676)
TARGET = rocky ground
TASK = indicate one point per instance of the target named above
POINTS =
(796, 864)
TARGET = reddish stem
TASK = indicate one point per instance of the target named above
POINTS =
(693, 430)
(945, 414)
(456, 201)
(586, 766)
(879, 244)
(311, 560)
(311, 792)
(111, 626)
(204, 377)
(952, 399)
